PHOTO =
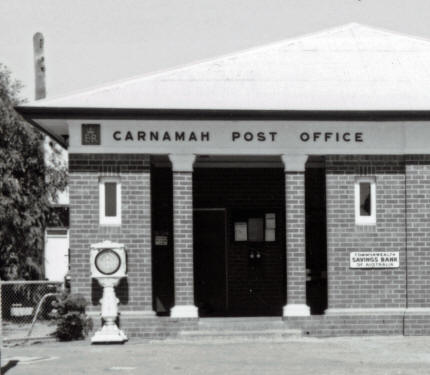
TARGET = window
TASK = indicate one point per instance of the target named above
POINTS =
(365, 201)
(255, 228)
(110, 200)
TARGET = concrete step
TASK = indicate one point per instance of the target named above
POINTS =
(241, 324)
(247, 333)
(229, 330)
(231, 336)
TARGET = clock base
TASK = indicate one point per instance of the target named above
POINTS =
(109, 334)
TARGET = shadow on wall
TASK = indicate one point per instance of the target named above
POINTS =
(121, 292)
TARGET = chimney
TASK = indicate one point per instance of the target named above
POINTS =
(39, 66)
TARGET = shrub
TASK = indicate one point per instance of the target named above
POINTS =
(72, 322)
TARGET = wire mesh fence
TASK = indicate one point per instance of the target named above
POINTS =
(28, 310)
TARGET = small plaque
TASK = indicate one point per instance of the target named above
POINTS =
(161, 240)
(91, 134)
(370, 259)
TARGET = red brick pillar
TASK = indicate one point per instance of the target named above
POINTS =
(296, 242)
(182, 167)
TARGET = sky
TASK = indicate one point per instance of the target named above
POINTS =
(89, 43)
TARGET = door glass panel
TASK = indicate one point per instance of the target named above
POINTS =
(256, 229)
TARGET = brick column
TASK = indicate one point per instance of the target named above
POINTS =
(296, 242)
(182, 167)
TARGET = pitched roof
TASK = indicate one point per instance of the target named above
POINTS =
(352, 67)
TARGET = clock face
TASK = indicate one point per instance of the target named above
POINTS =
(107, 261)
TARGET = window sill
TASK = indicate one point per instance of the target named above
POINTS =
(115, 225)
(366, 228)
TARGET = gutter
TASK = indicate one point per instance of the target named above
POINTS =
(220, 114)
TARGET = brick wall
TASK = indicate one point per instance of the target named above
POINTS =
(183, 237)
(295, 220)
(365, 288)
(418, 230)
(264, 189)
(417, 320)
(348, 325)
(85, 170)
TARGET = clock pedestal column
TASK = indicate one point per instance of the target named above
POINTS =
(110, 331)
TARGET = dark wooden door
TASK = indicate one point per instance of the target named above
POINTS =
(210, 273)
(257, 268)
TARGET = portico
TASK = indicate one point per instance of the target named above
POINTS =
(294, 252)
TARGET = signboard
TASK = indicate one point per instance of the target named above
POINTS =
(238, 137)
(370, 259)
(227, 137)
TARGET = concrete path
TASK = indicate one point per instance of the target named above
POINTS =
(346, 356)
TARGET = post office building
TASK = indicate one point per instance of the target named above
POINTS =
(289, 182)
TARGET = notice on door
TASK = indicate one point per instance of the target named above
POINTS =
(370, 259)
(241, 231)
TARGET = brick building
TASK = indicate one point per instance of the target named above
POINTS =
(291, 180)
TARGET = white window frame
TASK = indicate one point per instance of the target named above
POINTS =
(360, 219)
(109, 220)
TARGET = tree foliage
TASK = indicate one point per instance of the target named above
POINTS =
(29, 182)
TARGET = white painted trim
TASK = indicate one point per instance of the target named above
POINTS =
(182, 162)
(294, 163)
(109, 220)
(296, 310)
(359, 219)
(184, 311)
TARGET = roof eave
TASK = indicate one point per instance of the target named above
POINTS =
(60, 140)
(31, 114)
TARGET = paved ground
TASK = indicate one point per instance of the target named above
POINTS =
(16, 330)
(372, 355)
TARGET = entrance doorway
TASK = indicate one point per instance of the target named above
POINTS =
(239, 251)
(210, 268)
